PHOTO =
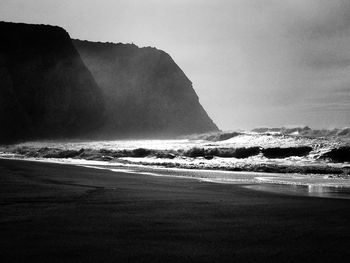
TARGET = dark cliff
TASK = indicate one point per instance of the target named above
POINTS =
(146, 93)
(46, 91)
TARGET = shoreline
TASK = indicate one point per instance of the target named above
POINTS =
(333, 187)
(66, 213)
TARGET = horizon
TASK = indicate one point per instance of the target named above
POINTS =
(286, 67)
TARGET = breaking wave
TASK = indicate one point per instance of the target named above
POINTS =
(307, 131)
(277, 150)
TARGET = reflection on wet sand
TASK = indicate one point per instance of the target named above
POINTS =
(310, 190)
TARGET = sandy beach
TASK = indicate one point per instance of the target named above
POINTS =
(63, 213)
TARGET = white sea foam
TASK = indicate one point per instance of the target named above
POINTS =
(210, 168)
(295, 184)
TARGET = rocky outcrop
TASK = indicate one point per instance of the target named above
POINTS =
(46, 91)
(146, 93)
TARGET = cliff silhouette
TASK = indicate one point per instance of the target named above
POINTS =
(54, 88)
(146, 93)
(46, 91)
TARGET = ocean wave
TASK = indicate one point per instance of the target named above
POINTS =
(214, 137)
(249, 165)
(306, 131)
(254, 159)
(236, 151)
(207, 153)
(281, 152)
(341, 154)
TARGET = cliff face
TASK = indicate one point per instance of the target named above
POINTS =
(146, 93)
(46, 91)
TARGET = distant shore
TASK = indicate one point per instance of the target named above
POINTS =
(63, 213)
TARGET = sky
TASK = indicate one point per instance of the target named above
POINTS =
(253, 63)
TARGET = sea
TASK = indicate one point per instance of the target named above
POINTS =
(298, 161)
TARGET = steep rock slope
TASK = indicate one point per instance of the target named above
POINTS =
(146, 93)
(46, 91)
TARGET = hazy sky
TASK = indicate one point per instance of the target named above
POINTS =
(252, 63)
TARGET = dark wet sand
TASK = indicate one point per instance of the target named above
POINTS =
(62, 213)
